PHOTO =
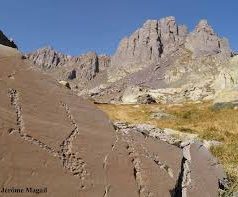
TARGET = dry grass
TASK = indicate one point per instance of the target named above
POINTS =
(198, 118)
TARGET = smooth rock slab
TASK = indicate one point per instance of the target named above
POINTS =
(205, 173)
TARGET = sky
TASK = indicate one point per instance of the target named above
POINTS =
(77, 26)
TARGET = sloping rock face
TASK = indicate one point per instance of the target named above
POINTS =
(6, 42)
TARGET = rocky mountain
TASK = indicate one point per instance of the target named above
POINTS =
(158, 39)
(79, 70)
(47, 58)
(161, 61)
(146, 46)
(5, 41)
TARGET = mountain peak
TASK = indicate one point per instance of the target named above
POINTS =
(203, 26)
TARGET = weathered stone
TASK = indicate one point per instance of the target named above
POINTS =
(204, 41)
(205, 174)
(65, 83)
(80, 69)
(72, 74)
(145, 46)
(47, 58)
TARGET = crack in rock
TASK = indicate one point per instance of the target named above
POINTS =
(72, 161)
(34, 141)
(106, 192)
(156, 160)
(14, 99)
(138, 175)
(184, 180)
(105, 161)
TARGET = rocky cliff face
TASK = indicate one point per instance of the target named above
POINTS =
(204, 41)
(47, 58)
(146, 45)
(161, 38)
(5, 41)
(79, 70)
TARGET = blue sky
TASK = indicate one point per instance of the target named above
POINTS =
(77, 26)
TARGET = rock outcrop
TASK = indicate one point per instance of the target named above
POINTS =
(145, 46)
(47, 58)
(226, 85)
(161, 38)
(6, 42)
(204, 41)
(78, 70)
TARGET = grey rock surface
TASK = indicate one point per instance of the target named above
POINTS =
(47, 58)
(203, 175)
(79, 70)
(200, 174)
(204, 41)
(145, 46)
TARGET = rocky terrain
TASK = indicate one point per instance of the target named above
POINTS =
(160, 62)
(79, 71)
(55, 142)
(51, 138)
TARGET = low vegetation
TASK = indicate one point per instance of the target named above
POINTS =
(200, 118)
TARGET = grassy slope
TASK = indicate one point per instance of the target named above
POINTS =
(193, 118)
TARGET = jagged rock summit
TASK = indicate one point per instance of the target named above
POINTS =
(146, 46)
(161, 38)
(204, 41)
(79, 70)
(47, 58)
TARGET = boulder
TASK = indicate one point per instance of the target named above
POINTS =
(227, 98)
(132, 93)
(65, 83)
(202, 174)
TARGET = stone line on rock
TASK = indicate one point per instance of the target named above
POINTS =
(71, 161)
(112, 149)
(155, 159)
(106, 192)
(138, 170)
(14, 98)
